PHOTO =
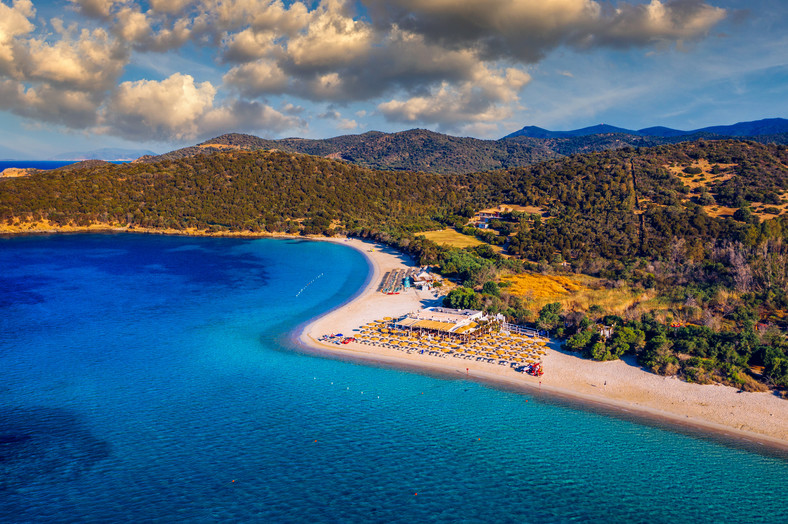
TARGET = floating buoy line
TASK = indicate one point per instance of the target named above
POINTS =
(309, 284)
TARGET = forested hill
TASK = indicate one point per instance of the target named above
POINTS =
(414, 150)
(422, 150)
(610, 205)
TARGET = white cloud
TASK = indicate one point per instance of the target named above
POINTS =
(441, 62)
(14, 22)
(179, 108)
(91, 61)
(75, 109)
(488, 97)
(171, 107)
(347, 124)
(332, 37)
(525, 30)
(255, 78)
(657, 21)
(249, 45)
(239, 115)
(95, 8)
(132, 25)
(168, 6)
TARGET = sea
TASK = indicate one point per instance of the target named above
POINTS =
(150, 378)
(40, 164)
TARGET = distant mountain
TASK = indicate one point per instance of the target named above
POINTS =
(428, 151)
(768, 126)
(108, 153)
(600, 129)
(538, 132)
(660, 131)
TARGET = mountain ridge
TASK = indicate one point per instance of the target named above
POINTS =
(429, 151)
(766, 126)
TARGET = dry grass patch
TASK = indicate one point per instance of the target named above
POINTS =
(706, 177)
(508, 208)
(576, 293)
(759, 209)
(538, 286)
(227, 147)
(719, 211)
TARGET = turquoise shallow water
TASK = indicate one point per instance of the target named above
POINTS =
(147, 378)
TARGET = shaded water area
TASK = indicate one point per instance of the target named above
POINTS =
(148, 378)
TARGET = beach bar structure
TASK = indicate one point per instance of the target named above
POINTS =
(462, 323)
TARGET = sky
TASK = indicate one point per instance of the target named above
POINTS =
(77, 75)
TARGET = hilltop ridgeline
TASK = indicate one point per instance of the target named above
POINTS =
(423, 150)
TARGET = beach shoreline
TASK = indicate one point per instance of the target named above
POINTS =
(754, 420)
(757, 420)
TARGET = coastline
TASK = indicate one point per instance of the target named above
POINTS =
(618, 387)
(45, 227)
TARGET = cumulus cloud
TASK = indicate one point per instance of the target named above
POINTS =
(525, 30)
(255, 78)
(332, 37)
(171, 106)
(485, 98)
(168, 6)
(179, 108)
(14, 22)
(90, 61)
(95, 8)
(249, 45)
(68, 107)
(400, 61)
(453, 64)
(132, 25)
(245, 115)
(59, 77)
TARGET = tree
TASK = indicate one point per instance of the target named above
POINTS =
(491, 288)
(626, 340)
(549, 316)
(465, 265)
(580, 340)
(461, 298)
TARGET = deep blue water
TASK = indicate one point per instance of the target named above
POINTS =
(38, 164)
(147, 378)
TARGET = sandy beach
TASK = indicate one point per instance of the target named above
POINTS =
(760, 418)
(622, 385)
